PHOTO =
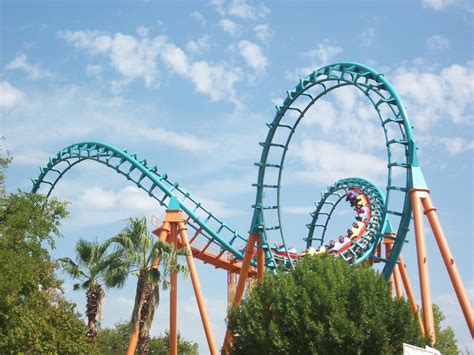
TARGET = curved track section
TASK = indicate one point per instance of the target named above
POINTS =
(401, 149)
(363, 246)
(158, 186)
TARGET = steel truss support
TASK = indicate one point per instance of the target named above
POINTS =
(174, 231)
(420, 199)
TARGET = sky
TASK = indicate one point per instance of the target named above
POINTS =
(189, 85)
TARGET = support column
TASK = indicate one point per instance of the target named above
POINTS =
(174, 298)
(260, 261)
(197, 289)
(410, 295)
(448, 259)
(388, 250)
(423, 269)
(252, 239)
(396, 279)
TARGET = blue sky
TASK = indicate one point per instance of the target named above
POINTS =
(190, 85)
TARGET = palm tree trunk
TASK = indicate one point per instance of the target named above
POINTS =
(137, 311)
(150, 301)
(95, 295)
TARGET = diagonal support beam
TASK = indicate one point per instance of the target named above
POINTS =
(239, 292)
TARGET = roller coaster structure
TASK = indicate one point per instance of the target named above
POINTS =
(405, 182)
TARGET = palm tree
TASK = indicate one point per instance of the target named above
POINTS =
(92, 269)
(140, 253)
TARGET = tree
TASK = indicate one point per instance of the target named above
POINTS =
(92, 270)
(139, 254)
(34, 316)
(445, 339)
(324, 306)
(114, 340)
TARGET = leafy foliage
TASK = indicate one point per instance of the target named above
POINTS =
(34, 316)
(114, 340)
(92, 269)
(323, 307)
(445, 339)
(153, 262)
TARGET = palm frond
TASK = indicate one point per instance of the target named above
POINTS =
(71, 268)
(85, 251)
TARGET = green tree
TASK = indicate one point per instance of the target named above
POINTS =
(34, 316)
(92, 270)
(324, 306)
(112, 341)
(161, 345)
(445, 339)
(139, 253)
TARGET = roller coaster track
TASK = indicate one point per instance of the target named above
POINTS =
(401, 161)
(327, 205)
(405, 185)
(402, 157)
(208, 229)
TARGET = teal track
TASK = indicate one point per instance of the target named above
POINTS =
(327, 205)
(157, 185)
(401, 149)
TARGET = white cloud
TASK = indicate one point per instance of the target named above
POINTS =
(143, 31)
(9, 95)
(457, 145)
(437, 43)
(240, 8)
(217, 81)
(229, 26)
(93, 69)
(323, 114)
(326, 162)
(219, 5)
(438, 4)
(322, 55)
(199, 45)
(263, 32)
(138, 58)
(198, 16)
(175, 58)
(366, 38)
(133, 58)
(97, 198)
(447, 94)
(324, 52)
(253, 55)
(32, 71)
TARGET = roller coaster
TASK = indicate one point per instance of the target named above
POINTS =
(380, 218)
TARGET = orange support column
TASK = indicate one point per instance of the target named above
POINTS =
(423, 269)
(174, 299)
(253, 238)
(197, 289)
(388, 250)
(398, 284)
(448, 259)
(410, 295)
(260, 261)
